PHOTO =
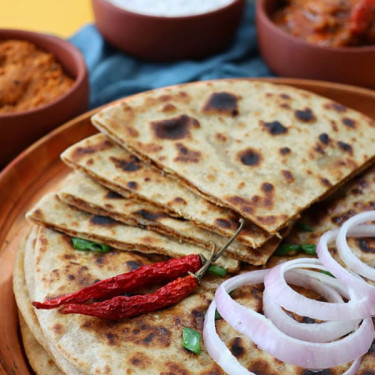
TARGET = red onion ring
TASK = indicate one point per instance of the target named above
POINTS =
(313, 332)
(290, 350)
(344, 275)
(344, 250)
(357, 307)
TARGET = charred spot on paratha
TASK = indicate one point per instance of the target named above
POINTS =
(335, 106)
(367, 245)
(242, 203)
(185, 155)
(180, 200)
(267, 187)
(325, 182)
(223, 223)
(285, 150)
(103, 221)
(150, 216)
(250, 157)
(174, 128)
(132, 185)
(288, 175)
(305, 115)
(141, 360)
(101, 146)
(133, 264)
(284, 96)
(113, 195)
(345, 147)
(324, 138)
(222, 103)
(350, 123)
(326, 371)
(275, 127)
(220, 137)
(133, 164)
(236, 347)
(169, 107)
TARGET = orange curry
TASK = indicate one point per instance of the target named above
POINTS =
(29, 77)
(329, 22)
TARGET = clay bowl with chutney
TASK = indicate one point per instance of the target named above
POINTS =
(291, 56)
(159, 38)
(29, 109)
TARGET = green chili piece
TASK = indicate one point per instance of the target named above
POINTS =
(86, 245)
(286, 248)
(327, 273)
(217, 315)
(309, 248)
(305, 227)
(217, 270)
(191, 340)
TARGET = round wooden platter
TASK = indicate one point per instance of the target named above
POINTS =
(39, 170)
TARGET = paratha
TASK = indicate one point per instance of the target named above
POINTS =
(267, 151)
(356, 196)
(124, 173)
(149, 344)
(55, 214)
(84, 193)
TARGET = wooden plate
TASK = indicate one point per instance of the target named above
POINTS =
(39, 169)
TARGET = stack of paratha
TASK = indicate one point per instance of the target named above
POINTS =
(171, 173)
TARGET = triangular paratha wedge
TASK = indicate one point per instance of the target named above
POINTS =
(267, 151)
(122, 172)
(86, 194)
(55, 214)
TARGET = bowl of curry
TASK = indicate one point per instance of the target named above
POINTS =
(43, 83)
(331, 40)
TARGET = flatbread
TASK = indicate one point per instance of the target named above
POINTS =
(355, 197)
(122, 172)
(148, 344)
(55, 214)
(84, 193)
(42, 358)
(267, 151)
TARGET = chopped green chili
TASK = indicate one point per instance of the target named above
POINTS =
(327, 273)
(85, 245)
(286, 248)
(217, 270)
(309, 248)
(305, 227)
(191, 340)
(217, 315)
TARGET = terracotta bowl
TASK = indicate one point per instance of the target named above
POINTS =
(288, 56)
(20, 129)
(168, 38)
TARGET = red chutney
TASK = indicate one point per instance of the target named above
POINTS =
(29, 77)
(335, 23)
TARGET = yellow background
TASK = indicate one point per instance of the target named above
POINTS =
(61, 17)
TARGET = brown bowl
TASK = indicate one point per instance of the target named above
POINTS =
(20, 129)
(168, 38)
(289, 56)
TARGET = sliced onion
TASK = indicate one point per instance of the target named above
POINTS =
(357, 307)
(344, 250)
(346, 276)
(313, 332)
(267, 337)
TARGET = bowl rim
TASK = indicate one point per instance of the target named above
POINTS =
(150, 17)
(265, 17)
(82, 73)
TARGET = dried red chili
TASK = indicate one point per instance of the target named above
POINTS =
(121, 307)
(127, 282)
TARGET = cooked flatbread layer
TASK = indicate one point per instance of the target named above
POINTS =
(55, 214)
(44, 359)
(86, 194)
(120, 171)
(267, 151)
(148, 344)
(355, 197)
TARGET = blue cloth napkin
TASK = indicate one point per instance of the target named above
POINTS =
(114, 74)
